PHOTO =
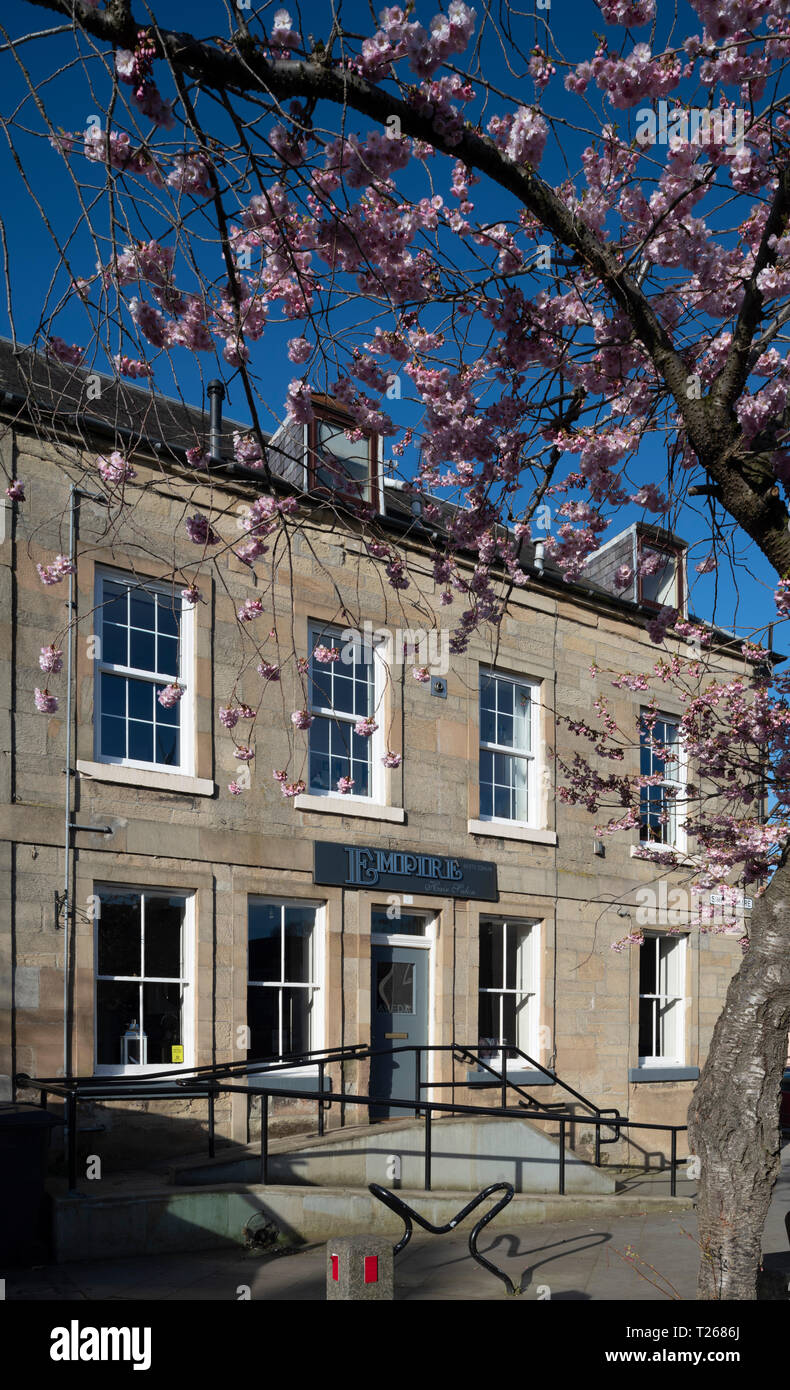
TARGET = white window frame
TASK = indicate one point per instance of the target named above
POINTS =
(399, 938)
(677, 779)
(185, 676)
(187, 981)
(531, 757)
(316, 632)
(378, 500)
(318, 983)
(677, 1057)
(497, 1059)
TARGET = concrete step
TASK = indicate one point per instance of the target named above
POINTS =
(167, 1220)
(468, 1153)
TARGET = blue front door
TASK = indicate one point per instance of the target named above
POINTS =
(399, 1009)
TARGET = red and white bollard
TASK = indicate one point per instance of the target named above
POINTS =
(360, 1268)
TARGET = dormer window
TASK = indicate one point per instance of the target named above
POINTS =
(337, 463)
(662, 586)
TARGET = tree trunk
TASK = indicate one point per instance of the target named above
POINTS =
(734, 1114)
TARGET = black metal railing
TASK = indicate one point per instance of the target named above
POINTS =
(207, 1082)
(199, 1082)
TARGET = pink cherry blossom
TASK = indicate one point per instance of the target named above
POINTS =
(292, 788)
(170, 695)
(251, 608)
(16, 491)
(782, 598)
(345, 785)
(269, 670)
(299, 407)
(283, 36)
(57, 571)
(51, 659)
(365, 727)
(301, 719)
(299, 350)
(200, 530)
(45, 703)
(115, 469)
(130, 366)
(198, 458)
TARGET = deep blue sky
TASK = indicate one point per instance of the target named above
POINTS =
(739, 600)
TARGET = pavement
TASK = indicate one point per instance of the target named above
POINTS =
(635, 1258)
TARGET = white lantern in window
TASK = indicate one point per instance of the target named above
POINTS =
(134, 1046)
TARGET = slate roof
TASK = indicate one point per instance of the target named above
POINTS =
(52, 393)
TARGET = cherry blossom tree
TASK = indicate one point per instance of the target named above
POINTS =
(528, 272)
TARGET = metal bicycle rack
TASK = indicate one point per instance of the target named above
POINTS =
(407, 1215)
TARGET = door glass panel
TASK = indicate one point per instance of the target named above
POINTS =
(394, 987)
(407, 924)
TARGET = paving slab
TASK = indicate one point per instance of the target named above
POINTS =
(641, 1257)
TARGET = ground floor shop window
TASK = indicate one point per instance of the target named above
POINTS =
(508, 985)
(283, 992)
(662, 972)
(142, 953)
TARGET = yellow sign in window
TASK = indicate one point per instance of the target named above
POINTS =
(178, 1052)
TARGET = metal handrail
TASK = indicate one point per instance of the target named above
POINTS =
(430, 1106)
(213, 1080)
(407, 1214)
(139, 1088)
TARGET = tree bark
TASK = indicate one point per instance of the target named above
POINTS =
(734, 1114)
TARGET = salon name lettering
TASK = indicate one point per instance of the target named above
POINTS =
(365, 866)
(404, 871)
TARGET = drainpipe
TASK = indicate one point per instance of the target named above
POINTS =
(66, 906)
(216, 393)
(539, 561)
(75, 493)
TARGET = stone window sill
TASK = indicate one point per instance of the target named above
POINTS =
(664, 850)
(507, 830)
(146, 777)
(519, 1078)
(637, 1075)
(350, 806)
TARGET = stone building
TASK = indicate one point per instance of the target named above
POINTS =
(451, 899)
